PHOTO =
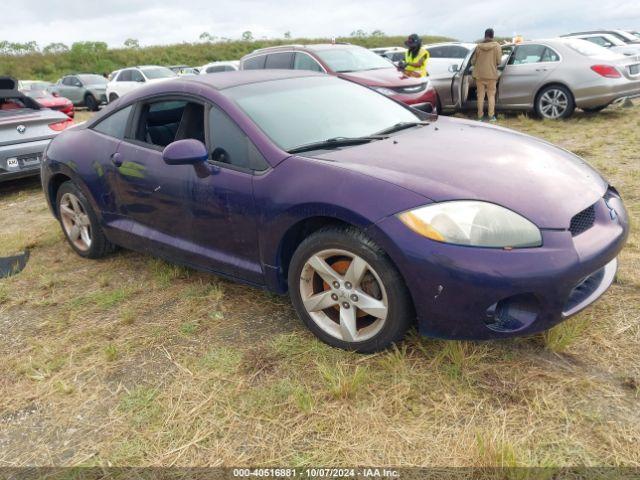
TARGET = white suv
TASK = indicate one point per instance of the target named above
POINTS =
(128, 79)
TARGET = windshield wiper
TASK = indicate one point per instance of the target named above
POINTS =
(400, 126)
(335, 143)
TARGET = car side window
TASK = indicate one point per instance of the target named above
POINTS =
(230, 145)
(527, 54)
(279, 60)
(68, 81)
(436, 52)
(254, 63)
(550, 55)
(125, 76)
(459, 52)
(302, 61)
(216, 69)
(163, 122)
(115, 124)
(136, 76)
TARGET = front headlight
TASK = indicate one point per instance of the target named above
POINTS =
(385, 91)
(477, 224)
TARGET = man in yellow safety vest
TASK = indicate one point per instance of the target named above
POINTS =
(415, 58)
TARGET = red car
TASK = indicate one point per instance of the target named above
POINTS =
(47, 100)
(350, 62)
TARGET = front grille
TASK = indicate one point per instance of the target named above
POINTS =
(583, 221)
(410, 90)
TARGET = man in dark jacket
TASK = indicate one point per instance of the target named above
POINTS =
(486, 59)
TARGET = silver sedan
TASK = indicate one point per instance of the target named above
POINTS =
(550, 78)
(25, 131)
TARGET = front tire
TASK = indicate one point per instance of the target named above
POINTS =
(91, 103)
(554, 102)
(80, 224)
(348, 292)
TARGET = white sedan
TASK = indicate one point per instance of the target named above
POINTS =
(128, 79)
(611, 42)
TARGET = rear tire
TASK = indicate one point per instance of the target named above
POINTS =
(91, 103)
(554, 102)
(80, 224)
(366, 308)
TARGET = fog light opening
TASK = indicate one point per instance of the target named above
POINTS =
(512, 314)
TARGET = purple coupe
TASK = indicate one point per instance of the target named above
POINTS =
(371, 214)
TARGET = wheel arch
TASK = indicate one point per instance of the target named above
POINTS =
(53, 185)
(293, 237)
(63, 173)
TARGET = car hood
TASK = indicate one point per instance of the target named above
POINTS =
(453, 159)
(382, 77)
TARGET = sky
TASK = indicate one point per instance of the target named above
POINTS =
(156, 22)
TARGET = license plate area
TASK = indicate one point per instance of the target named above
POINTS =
(29, 160)
(634, 69)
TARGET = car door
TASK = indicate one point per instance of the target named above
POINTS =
(124, 83)
(525, 72)
(72, 89)
(458, 86)
(176, 211)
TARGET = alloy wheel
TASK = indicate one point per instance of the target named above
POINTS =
(553, 103)
(75, 221)
(344, 295)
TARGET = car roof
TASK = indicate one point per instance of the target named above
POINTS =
(312, 47)
(440, 44)
(223, 80)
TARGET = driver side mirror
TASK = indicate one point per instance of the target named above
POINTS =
(454, 68)
(140, 80)
(185, 152)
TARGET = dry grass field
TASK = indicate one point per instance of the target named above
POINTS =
(132, 361)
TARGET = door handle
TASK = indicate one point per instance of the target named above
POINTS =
(116, 159)
(541, 69)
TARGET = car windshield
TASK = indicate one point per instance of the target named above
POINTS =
(353, 59)
(92, 79)
(158, 72)
(300, 111)
(588, 49)
(37, 93)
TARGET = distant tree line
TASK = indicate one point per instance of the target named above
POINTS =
(28, 61)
